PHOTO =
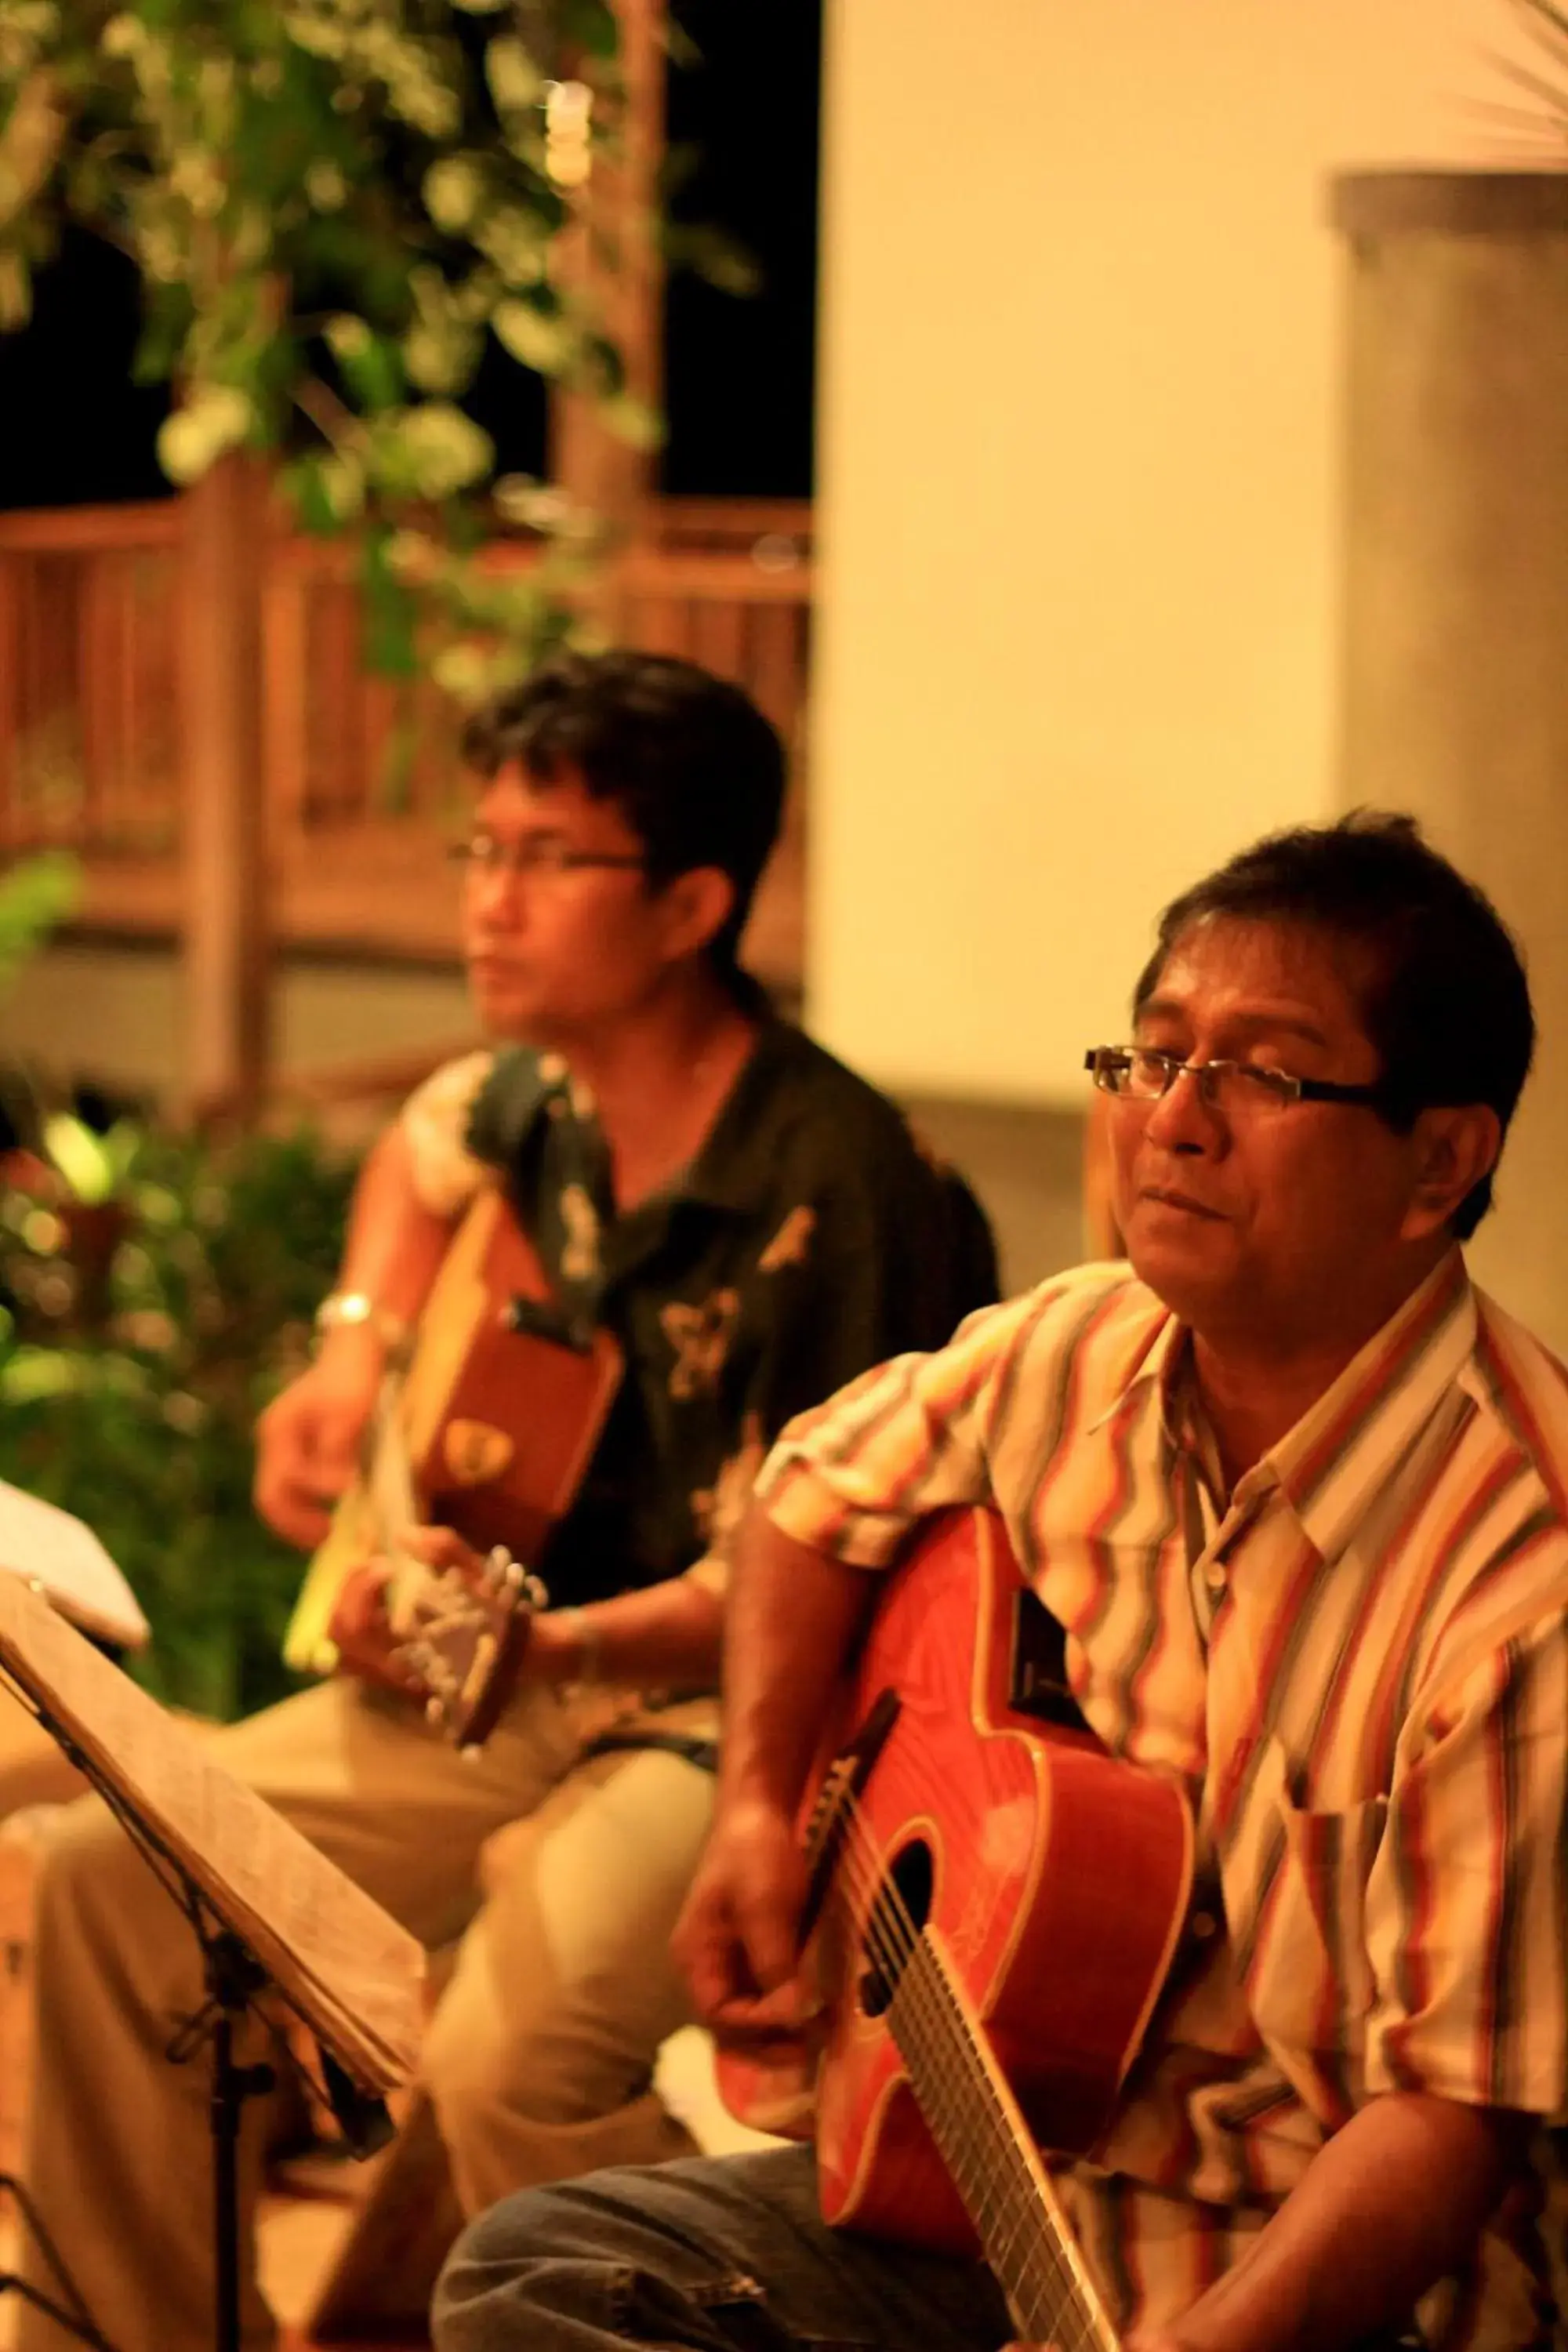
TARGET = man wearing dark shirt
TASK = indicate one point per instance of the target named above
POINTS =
(754, 1225)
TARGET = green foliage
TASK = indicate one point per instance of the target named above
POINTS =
(140, 1341)
(34, 896)
(334, 206)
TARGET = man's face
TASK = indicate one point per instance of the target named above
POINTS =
(1279, 1222)
(555, 952)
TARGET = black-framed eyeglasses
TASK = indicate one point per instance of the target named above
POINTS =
(540, 860)
(1137, 1074)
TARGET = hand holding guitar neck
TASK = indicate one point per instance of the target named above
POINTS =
(308, 1440)
(442, 1624)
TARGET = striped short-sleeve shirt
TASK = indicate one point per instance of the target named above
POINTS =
(1358, 1663)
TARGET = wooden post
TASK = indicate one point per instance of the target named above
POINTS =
(225, 955)
(597, 469)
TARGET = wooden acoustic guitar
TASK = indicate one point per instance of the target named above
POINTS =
(998, 1900)
(489, 1432)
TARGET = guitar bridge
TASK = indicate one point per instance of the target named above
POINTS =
(543, 1319)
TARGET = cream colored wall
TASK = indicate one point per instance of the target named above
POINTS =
(1078, 468)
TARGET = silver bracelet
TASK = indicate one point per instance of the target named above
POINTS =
(348, 1310)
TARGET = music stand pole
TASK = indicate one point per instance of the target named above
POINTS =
(233, 1976)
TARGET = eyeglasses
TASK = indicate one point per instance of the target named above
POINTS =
(536, 859)
(1135, 1074)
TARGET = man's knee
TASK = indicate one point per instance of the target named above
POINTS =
(544, 2055)
(605, 2260)
(99, 1900)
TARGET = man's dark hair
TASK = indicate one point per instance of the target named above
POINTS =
(687, 758)
(1441, 983)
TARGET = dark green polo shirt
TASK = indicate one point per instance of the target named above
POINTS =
(810, 1239)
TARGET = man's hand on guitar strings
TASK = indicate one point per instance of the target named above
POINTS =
(737, 1936)
(307, 1439)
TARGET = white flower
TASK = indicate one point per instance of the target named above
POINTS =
(348, 337)
(516, 241)
(461, 671)
(410, 555)
(343, 483)
(216, 418)
(164, 256)
(326, 186)
(453, 189)
(445, 450)
(122, 37)
(439, 355)
(195, 176)
(515, 80)
(540, 342)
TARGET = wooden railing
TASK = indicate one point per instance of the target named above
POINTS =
(361, 781)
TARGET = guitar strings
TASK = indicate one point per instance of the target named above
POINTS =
(933, 2014)
(932, 2017)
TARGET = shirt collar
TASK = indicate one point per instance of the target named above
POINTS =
(1156, 1363)
(1348, 1445)
(737, 1166)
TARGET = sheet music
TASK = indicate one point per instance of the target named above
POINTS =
(53, 1549)
(352, 1973)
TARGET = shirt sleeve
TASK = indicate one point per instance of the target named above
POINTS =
(434, 1120)
(1468, 1900)
(851, 1477)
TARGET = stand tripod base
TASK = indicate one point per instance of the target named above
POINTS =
(73, 2316)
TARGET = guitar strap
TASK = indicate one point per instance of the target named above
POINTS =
(703, 1753)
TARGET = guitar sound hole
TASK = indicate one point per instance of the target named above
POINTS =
(899, 1912)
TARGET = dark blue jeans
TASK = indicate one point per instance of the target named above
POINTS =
(716, 2254)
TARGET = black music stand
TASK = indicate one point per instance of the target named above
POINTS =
(234, 1976)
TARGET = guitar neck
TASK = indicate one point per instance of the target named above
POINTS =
(991, 2155)
(393, 1497)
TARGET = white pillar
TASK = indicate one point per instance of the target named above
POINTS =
(1455, 679)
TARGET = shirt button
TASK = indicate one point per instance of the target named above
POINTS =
(1206, 1926)
(1214, 1575)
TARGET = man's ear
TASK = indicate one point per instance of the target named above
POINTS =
(696, 905)
(1454, 1147)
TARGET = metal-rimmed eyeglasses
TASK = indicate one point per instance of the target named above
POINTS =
(1137, 1074)
(537, 859)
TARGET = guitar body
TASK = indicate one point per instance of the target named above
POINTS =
(500, 1420)
(488, 1432)
(1052, 1877)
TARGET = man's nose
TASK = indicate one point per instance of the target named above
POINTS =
(1185, 1119)
(496, 894)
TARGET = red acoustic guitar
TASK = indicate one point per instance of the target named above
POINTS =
(999, 1900)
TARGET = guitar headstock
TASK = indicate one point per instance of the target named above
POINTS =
(465, 1641)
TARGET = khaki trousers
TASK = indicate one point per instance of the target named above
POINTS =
(539, 2056)
(33, 1771)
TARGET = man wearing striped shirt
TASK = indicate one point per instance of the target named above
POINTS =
(1297, 1493)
